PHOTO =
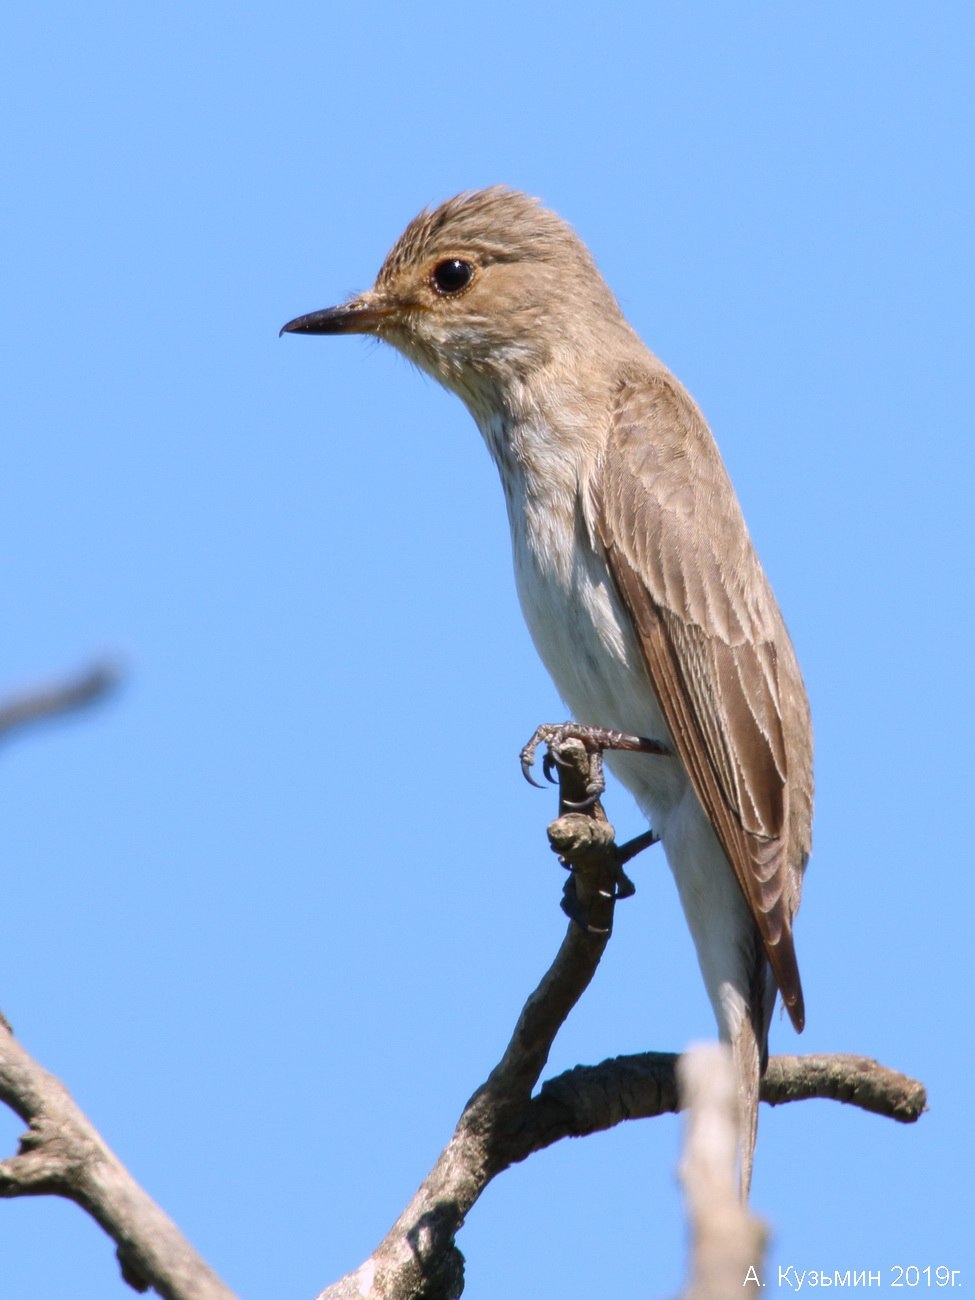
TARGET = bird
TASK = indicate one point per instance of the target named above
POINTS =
(635, 571)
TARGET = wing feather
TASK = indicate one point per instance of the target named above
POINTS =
(715, 647)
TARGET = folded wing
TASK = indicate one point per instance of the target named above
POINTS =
(715, 647)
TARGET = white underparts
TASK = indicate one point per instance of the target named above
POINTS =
(587, 642)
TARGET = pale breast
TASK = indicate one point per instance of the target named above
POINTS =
(583, 634)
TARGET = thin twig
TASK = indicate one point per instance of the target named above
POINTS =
(50, 701)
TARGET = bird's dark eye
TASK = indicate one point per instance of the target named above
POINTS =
(452, 276)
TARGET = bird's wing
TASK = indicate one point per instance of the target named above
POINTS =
(712, 640)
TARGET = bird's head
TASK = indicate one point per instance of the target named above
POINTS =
(480, 292)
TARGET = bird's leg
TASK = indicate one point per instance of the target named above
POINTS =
(596, 740)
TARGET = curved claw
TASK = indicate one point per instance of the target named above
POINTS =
(548, 767)
(526, 771)
(580, 805)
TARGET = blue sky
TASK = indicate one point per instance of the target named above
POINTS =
(272, 967)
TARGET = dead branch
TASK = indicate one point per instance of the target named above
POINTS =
(56, 698)
(62, 1154)
(843, 1076)
(727, 1241)
(592, 1098)
(503, 1123)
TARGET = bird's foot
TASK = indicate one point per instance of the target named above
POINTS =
(595, 740)
(581, 836)
(617, 886)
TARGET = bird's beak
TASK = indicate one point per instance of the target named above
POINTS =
(357, 316)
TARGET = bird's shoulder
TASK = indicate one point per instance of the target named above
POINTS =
(665, 503)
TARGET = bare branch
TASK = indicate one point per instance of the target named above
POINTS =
(591, 1098)
(503, 1123)
(50, 701)
(856, 1080)
(727, 1242)
(62, 1154)
(418, 1257)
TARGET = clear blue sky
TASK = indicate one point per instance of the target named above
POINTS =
(269, 967)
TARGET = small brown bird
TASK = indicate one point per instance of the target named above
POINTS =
(635, 571)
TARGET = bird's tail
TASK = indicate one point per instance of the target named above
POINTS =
(748, 1072)
(749, 1046)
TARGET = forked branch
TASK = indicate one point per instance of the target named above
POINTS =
(62, 1154)
(504, 1122)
